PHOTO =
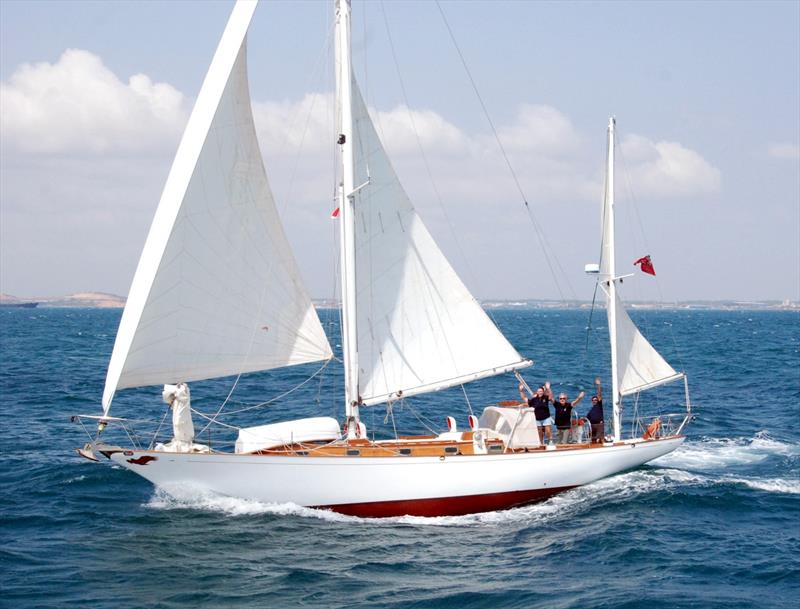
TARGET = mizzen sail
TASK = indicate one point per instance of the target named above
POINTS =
(217, 290)
(640, 365)
(418, 327)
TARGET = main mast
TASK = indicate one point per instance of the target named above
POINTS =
(611, 277)
(344, 81)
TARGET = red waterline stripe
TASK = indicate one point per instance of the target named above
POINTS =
(445, 506)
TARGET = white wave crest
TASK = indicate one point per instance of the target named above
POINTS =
(770, 485)
(716, 453)
(188, 497)
(615, 488)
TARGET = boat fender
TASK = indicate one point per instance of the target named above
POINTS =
(652, 430)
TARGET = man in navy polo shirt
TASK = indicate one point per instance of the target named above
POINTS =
(595, 415)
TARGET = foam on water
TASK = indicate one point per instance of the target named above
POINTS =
(710, 454)
(186, 497)
(770, 485)
(621, 487)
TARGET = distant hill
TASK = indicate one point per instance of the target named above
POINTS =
(94, 300)
(7, 300)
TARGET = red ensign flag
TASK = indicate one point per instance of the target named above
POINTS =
(646, 265)
(335, 213)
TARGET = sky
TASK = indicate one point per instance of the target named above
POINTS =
(94, 97)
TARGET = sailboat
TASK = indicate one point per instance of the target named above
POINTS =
(409, 327)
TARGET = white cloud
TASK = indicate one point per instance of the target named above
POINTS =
(287, 125)
(542, 130)
(80, 177)
(435, 133)
(784, 151)
(78, 106)
(667, 169)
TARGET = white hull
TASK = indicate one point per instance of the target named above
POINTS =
(393, 486)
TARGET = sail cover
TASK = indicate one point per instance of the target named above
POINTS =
(640, 365)
(419, 328)
(217, 290)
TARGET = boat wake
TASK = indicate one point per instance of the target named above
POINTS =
(770, 485)
(622, 487)
(191, 498)
(711, 454)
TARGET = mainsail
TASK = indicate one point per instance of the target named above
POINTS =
(418, 327)
(217, 290)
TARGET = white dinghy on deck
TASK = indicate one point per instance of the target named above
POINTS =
(217, 292)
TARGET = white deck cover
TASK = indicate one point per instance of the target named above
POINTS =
(217, 291)
(502, 421)
(314, 429)
(419, 328)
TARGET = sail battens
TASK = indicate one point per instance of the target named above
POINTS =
(428, 388)
(217, 291)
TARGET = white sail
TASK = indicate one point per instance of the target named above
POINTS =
(418, 327)
(217, 290)
(640, 365)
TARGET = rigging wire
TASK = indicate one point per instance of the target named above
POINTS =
(597, 282)
(427, 423)
(324, 51)
(423, 155)
(213, 418)
(550, 258)
(635, 206)
(466, 397)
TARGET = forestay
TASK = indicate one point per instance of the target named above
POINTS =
(217, 290)
(418, 327)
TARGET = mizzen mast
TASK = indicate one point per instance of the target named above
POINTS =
(608, 268)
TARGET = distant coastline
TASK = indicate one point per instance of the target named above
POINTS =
(696, 305)
(91, 300)
(103, 300)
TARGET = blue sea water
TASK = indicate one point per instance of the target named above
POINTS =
(714, 524)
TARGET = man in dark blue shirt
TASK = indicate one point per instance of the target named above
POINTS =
(595, 415)
(540, 402)
(564, 416)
